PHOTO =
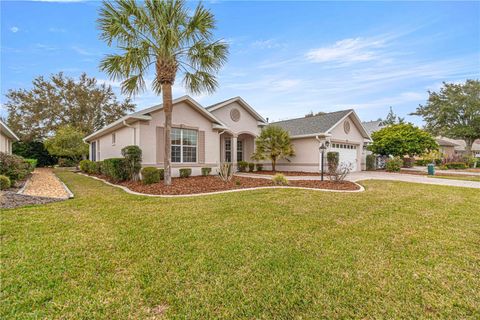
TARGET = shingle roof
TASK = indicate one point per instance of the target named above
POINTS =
(372, 126)
(312, 125)
(445, 143)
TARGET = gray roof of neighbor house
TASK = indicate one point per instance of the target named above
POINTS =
(7, 131)
(445, 143)
(372, 126)
(460, 144)
(313, 124)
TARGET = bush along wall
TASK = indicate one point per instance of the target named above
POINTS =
(371, 162)
(115, 169)
(14, 167)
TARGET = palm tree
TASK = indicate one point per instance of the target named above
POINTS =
(166, 37)
(274, 143)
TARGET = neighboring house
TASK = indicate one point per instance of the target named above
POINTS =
(372, 126)
(7, 138)
(342, 129)
(446, 148)
(459, 148)
(224, 132)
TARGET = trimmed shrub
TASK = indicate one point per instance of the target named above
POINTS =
(133, 161)
(279, 180)
(371, 162)
(185, 172)
(4, 182)
(394, 165)
(150, 175)
(421, 162)
(14, 167)
(97, 167)
(408, 162)
(114, 168)
(242, 166)
(251, 166)
(259, 166)
(85, 165)
(162, 173)
(206, 171)
(333, 159)
(456, 165)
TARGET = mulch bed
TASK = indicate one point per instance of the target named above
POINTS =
(200, 184)
(10, 199)
(286, 173)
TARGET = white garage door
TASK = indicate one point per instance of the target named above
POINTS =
(347, 153)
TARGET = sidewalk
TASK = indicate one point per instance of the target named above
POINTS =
(450, 172)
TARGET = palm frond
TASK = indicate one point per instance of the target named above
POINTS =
(133, 85)
(200, 81)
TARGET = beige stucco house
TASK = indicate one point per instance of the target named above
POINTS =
(226, 132)
(7, 138)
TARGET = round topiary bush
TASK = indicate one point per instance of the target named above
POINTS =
(4, 182)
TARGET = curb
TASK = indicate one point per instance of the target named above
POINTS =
(361, 189)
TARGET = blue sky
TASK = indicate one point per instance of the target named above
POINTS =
(286, 58)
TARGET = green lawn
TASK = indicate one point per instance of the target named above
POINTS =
(397, 250)
(467, 178)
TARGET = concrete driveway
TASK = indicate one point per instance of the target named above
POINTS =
(372, 175)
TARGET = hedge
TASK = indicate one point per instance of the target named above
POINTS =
(206, 171)
(394, 165)
(371, 162)
(4, 182)
(456, 165)
(242, 166)
(14, 167)
(115, 169)
(185, 172)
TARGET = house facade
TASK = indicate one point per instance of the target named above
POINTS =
(225, 132)
(7, 138)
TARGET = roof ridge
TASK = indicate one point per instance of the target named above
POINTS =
(315, 116)
(223, 101)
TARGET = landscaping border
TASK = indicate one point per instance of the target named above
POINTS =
(361, 189)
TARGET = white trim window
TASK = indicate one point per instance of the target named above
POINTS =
(228, 149)
(184, 145)
(239, 150)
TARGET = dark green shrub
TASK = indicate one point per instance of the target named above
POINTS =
(34, 150)
(206, 171)
(333, 159)
(4, 182)
(162, 173)
(14, 167)
(456, 165)
(251, 166)
(242, 166)
(97, 167)
(85, 165)
(133, 161)
(371, 162)
(150, 175)
(394, 165)
(114, 168)
(185, 172)
(259, 166)
(67, 162)
(421, 162)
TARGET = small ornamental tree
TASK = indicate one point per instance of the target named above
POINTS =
(402, 139)
(274, 144)
(68, 143)
(133, 161)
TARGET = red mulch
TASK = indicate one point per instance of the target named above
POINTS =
(200, 184)
(287, 173)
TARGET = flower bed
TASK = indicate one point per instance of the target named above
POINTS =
(288, 173)
(200, 184)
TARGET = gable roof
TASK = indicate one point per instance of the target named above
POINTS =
(8, 132)
(242, 102)
(372, 126)
(459, 145)
(445, 143)
(145, 115)
(319, 124)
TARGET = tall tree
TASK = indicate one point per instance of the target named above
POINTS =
(392, 118)
(37, 113)
(454, 112)
(402, 139)
(273, 143)
(67, 142)
(168, 38)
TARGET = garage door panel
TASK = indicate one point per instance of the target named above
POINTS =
(347, 154)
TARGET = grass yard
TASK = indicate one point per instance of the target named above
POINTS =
(467, 178)
(397, 250)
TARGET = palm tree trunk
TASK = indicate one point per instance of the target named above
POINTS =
(167, 111)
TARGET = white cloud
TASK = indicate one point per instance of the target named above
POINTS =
(14, 29)
(347, 51)
(267, 44)
(82, 51)
(44, 47)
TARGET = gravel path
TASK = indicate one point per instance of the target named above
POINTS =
(9, 200)
(44, 183)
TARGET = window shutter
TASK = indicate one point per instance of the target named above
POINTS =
(160, 144)
(201, 146)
